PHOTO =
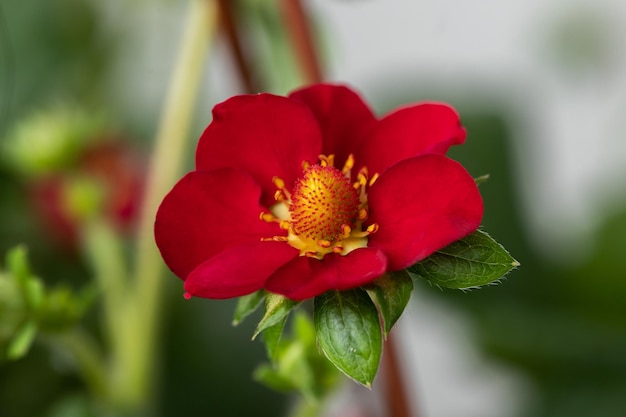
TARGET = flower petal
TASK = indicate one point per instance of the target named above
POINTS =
(305, 277)
(239, 270)
(263, 134)
(342, 115)
(421, 205)
(206, 212)
(408, 132)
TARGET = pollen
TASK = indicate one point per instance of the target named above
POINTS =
(323, 203)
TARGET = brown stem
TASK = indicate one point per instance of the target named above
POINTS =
(397, 401)
(229, 26)
(299, 31)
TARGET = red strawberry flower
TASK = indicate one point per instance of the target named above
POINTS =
(311, 192)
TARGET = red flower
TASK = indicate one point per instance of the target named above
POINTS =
(307, 193)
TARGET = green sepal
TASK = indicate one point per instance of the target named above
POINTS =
(298, 365)
(277, 307)
(271, 337)
(348, 333)
(391, 294)
(247, 305)
(481, 179)
(470, 262)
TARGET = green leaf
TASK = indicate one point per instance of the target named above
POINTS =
(247, 305)
(391, 293)
(348, 333)
(469, 262)
(17, 263)
(21, 341)
(277, 308)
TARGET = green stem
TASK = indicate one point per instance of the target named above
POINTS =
(103, 248)
(306, 408)
(135, 358)
(88, 358)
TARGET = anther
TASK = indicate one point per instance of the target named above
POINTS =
(282, 193)
(372, 228)
(324, 243)
(348, 165)
(363, 214)
(345, 231)
(373, 179)
(278, 182)
(267, 217)
(327, 160)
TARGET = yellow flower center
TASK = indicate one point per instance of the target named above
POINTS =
(323, 201)
(325, 212)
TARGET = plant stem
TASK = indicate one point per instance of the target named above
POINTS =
(299, 31)
(135, 358)
(305, 408)
(103, 249)
(397, 401)
(230, 28)
(88, 358)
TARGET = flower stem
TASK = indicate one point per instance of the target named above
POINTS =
(306, 408)
(397, 401)
(299, 31)
(230, 28)
(135, 354)
(88, 358)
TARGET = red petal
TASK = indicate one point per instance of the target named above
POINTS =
(239, 270)
(408, 132)
(421, 205)
(342, 115)
(306, 277)
(204, 213)
(263, 134)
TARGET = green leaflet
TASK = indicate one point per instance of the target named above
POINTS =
(470, 262)
(391, 293)
(348, 333)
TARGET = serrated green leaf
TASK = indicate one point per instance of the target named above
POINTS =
(22, 340)
(391, 293)
(247, 305)
(469, 262)
(348, 333)
(277, 308)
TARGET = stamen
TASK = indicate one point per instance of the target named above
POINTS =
(275, 239)
(348, 165)
(326, 211)
(267, 217)
(282, 193)
(324, 243)
(327, 160)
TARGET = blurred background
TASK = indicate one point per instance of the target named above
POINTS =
(540, 87)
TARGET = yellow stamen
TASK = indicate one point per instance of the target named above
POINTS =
(348, 165)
